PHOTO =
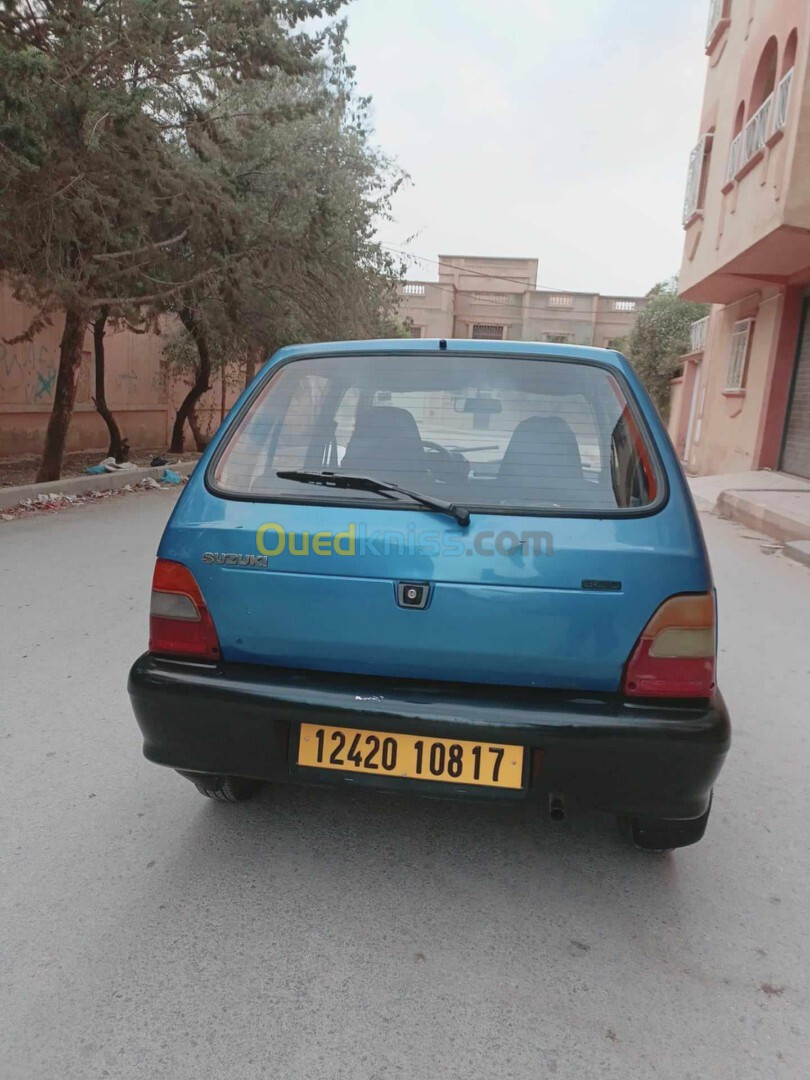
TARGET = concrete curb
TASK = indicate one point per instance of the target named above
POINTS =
(798, 550)
(761, 518)
(80, 485)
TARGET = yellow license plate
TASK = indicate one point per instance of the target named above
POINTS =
(411, 757)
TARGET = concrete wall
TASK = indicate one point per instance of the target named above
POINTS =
(143, 404)
(428, 308)
(478, 272)
(135, 390)
(501, 293)
(613, 321)
(547, 316)
(676, 411)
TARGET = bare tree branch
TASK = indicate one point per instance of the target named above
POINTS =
(145, 250)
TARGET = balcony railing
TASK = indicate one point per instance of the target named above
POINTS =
(718, 10)
(697, 335)
(413, 289)
(782, 102)
(770, 118)
(734, 158)
(757, 131)
(694, 179)
(496, 298)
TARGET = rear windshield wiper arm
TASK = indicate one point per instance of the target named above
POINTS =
(368, 483)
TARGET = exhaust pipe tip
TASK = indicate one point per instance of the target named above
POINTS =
(556, 807)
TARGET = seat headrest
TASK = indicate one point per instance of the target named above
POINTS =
(542, 448)
(385, 442)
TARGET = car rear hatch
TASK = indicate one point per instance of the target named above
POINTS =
(580, 527)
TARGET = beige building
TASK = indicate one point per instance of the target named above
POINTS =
(496, 299)
(743, 399)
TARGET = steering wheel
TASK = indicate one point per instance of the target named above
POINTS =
(448, 466)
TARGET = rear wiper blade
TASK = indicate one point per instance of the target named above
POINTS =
(368, 483)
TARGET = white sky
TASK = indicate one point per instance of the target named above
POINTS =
(553, 129)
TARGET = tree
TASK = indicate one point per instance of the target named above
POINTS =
(100, 104)
(100, 398)
(308, 189)
(660, 336)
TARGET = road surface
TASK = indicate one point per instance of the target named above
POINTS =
(327, 934)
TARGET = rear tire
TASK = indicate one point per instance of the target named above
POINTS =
(660, 835)
(224, 788)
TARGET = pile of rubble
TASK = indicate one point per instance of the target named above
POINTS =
(46, 504)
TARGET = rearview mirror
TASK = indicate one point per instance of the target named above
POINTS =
(478, 405)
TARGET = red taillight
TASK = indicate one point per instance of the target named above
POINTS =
(179, 621)
(675, 655)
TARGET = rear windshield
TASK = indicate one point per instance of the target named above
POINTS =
(487, 432)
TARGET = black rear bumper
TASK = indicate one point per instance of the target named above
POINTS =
(600, 751)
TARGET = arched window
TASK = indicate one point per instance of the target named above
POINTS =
(761, 106)
(765, 78)
(789, 55)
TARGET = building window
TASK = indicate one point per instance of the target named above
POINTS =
(741, 334)
(614, 343)
(559, 339)
(697, 177)
(487, 332)
(411, 288)
(416, 331)
(560, 301)
(623, 305)
(765, 75)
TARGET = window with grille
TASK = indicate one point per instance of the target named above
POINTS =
(561, 301)
(416, 331)
(624, 305)
(487, 332)
(697, 177)
(738, 356)
(559, 339)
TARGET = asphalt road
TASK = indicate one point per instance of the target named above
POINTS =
(323, 934)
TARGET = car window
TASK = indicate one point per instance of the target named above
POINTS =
(489, 432)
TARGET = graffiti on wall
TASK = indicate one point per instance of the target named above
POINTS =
(44, 385)
(126, 383)
(27, 373)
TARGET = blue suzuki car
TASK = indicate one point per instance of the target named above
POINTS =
(448, 568)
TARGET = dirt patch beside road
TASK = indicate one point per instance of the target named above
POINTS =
(14, 472)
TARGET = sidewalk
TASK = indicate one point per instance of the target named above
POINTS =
(74, 486)
(773, 503)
